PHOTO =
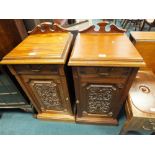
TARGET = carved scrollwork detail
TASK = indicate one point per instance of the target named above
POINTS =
(149, 125)
(100, 99)
(47, 27)
(48, 94)
(103, 27)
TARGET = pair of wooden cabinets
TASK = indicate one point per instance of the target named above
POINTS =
(101, 64)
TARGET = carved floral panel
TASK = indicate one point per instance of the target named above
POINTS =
(100, 98)
(48, 94)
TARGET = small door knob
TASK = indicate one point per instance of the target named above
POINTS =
(77, 101)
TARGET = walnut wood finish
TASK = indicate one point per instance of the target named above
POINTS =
(49, 48)
(38, 63)
(102, 28)
(12, 32)
(145, 44)
(47, 27)
(140, 105)
(100, 95)
(104, 49)
(104, 66)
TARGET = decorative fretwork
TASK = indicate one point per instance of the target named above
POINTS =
(100, 99)
(48, 94)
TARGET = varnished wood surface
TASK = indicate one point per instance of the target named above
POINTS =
(145, 44)
(103, 28)
(140, 104)
(12, 32)
(96, 120)
(142, 36)
(39, 65)
(104, 49)
(91, 83)
(47, 27)
(56, 117)
(142, 93)
(49, 48)
(137, 120)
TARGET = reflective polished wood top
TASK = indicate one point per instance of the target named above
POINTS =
(143, 36)
(145, 44)
(104, 49)
(48, 48)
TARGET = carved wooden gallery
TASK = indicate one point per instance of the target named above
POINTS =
(83, 76)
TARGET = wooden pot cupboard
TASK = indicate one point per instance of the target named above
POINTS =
(104, 64)
(38, 63)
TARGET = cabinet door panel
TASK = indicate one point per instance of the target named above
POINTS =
(47, 92)
(98, 97)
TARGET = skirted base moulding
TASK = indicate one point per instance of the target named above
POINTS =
(96, 120)
(55, 117)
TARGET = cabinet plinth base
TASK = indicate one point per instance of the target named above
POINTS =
(96, 120)
(56, 117)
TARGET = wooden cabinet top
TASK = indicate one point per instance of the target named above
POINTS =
(41, 48)
(143, 36)
(104, 49)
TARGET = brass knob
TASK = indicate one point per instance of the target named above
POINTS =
(77, 102)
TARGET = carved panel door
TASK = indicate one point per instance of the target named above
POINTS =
(48, 93)
(99, 98)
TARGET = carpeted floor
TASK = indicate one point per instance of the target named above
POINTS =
(17, 122)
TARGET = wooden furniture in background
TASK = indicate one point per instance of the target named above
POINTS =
(140, 105)
(145, 44)
(38, 63)
(12, 32)
(104, 64)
